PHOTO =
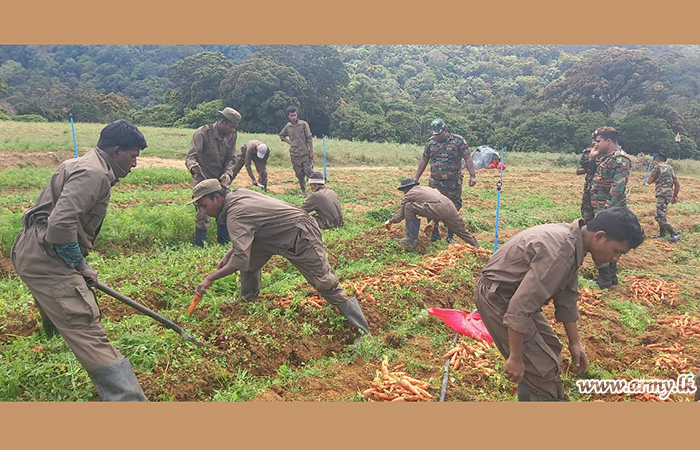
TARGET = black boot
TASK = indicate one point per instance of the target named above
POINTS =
(613, 273)
(662, 233)
(352, 311)
(49, 328)
(200, 235)
(412, 229)
(250, 286)
(222, 236)
(435, 235)
(117, 382)
(302, 185)
(450, 237)
(604, 280)
(674, 236)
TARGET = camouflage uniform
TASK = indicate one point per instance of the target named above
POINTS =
(664, 177)
(590, 167)
(610, 181)
(446, 166)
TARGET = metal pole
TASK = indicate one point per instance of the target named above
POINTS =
(648, 169)
(75, 144)
(325, 174)
(499, 184)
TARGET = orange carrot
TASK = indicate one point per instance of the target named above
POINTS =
(197, 298)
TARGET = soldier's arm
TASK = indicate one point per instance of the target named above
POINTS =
(676, 189)
(310, 204)
(470, 164)
(421, 166)
(192, 158)
(79, 195)
(653, 175)
(309, 140)
(248, 160)
(619, 184)
(583, 165)
(230, 158)
(401, 214)
(284, 135)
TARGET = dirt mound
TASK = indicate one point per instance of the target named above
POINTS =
(38, 159)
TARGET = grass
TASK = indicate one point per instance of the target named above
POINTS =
(264, 351)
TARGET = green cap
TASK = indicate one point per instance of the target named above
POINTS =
(437, 125)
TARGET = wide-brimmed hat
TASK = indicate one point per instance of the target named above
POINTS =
(407, 183)
(204, 188)
(231, 115)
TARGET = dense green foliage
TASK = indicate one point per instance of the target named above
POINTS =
(531, 98)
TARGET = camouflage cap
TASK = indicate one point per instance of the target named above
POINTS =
(437, 125)
(231, 115)
(204, 188)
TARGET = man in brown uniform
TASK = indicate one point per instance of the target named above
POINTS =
(262, 226)
(257, 152)
(49, 255)
(324, 202)
(212, 155)
(536, 265)
(427, 202)
(301, 146)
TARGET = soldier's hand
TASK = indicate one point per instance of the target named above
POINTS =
(578, 358)
(515, 370)
(224, 261)
(225, 179)
(90, 274)
(674, 200)
(387, 224)
(196, 169)
(203, 286)
(472, 181)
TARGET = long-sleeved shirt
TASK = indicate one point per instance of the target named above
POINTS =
(536, 265)
(300, 136)
(216, 154)
(327, 206)
(251, 154)
(74, 202)
(422, 197)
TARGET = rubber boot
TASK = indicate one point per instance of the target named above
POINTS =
(200, 236)
(222, 236)
(435, 236)
(524, 394)
(412, 229)
(674, 236)
(302, 185)
(613, 273)
(451, 237)
(352, 311)
(250, 286)
(117, 382)
(604, 281)
(662, 233)
(49, 328)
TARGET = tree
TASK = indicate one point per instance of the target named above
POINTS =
(3, 87)
(260, 89)
(603, 79)
(649, 135)
(197, 77)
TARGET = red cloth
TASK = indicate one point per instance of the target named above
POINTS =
(467, 324)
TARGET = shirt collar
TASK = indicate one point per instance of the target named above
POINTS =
(115, 172)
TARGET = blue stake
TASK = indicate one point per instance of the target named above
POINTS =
(75, 144)
(648, 169)
(499, 184)
(325, 175)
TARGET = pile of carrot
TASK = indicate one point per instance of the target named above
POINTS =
(588, 301)
(396, 386)
(671, 362)
(686, 326)
(315, 301)
(653, 292)
(675, 348)
(470, 354)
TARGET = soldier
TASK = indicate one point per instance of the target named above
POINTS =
(261, 226)
(430, 203)
(212, 155)
(587, 167)
(536, 265)
(608, 188)
(257, 152)
(49, 255)
(445, 152)
(301, 146)
(667, 188)
(324, 202)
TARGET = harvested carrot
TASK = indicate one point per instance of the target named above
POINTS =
(197, 298)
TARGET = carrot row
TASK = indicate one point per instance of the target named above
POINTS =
(653, 292)
(315, 300)
(471, 355)
(686, 326)
(396, 386)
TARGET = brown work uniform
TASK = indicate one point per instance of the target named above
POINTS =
(430, 203)
(71, 208)
(325, 202)
(216, 156)
(248, 155)
(300, 137)
(536, 265)
(260, 226)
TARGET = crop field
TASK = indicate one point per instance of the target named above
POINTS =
(286, 348)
